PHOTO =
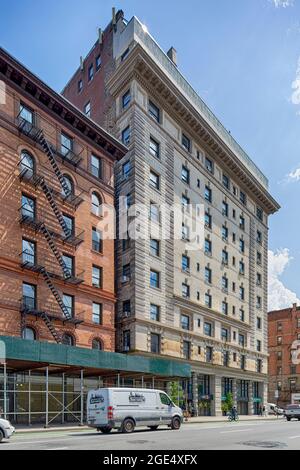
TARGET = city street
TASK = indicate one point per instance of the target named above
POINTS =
(240, 436)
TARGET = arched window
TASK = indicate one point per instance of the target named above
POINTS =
(29, 333)
(70, 186)
(68, 340)
(27, 164)
(97, 344)
(96, 204)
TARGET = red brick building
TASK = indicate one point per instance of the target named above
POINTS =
(57, 167)
(284, 372)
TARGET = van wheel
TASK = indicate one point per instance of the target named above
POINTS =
(153, 428)
(288, 419)
(105, 429)
(128, 426)
(176, 423)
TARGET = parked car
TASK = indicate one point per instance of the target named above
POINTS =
(292, 412)
(6, 429)
(273, 409)
(126, 408)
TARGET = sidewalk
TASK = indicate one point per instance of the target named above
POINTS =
(198, 419)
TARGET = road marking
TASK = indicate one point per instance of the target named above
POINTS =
(294, 437)
(58, 448)
(235, 430)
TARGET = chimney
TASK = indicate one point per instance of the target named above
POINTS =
(81, 63)
(114, 16)
(100, 35)
(172, 54)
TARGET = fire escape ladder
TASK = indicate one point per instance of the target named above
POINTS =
(49, 238)
(54, 207)
(55, 293)
(48, 151)
(51, 327)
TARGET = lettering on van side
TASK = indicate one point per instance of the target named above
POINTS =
(96, 398)
(136, 397)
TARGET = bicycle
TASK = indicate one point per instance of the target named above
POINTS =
(232, 417)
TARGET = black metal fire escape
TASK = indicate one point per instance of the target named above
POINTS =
(38, 136)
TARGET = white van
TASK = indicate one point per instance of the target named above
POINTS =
(126, 408)
(6, 429)
(273, 409)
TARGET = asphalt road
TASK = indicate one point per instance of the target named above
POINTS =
(255, 435)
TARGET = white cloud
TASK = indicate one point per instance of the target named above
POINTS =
(282, 3)
(295, 98)
(279, 295)
(294, 175)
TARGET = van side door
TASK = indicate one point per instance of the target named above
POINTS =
(165, 408)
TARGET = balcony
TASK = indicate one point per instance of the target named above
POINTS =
(29, 306)
(68, 155)
(27, 128)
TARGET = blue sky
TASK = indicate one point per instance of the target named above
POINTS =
(240, 55)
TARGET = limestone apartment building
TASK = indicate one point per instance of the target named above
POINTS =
(209, 308)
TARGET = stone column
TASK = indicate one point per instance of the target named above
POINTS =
(264, 393)
(234, 392)
(251, 396)
(216, 388)
(195, 392)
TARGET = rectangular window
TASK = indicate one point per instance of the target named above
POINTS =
(69, 265)
(185, 232)
(155, 343)
(97, 277)
(154, 148)
(208, 247)
(259, 213)
(126, 308)
(91, 72)
(225, 283)
(242, 314)
(154, 279)
(96, 166)
(224, 257)
(98, 62)
(185, 174)
(225, 308)
(126, 273)
(209, 354)
(242, 268)
(226, 181)
(185, 290)
(26, 114)
(80, 86)
(208, 194)
(242, 245)
(208, 300)
(259, 237)
(243, 198)
(97, 313)
(186, 142)
(154, 247)
(154, 312)
(126, 170)
(29, 296)
(69, 221)
(224, 233)
(68, 301)
(241, 340)
(125, 54)
(154, 180)
(258, 323)
(185, 322)
(208, 275)
(258, 302)
(208, 220)
(242, 222)
(209, 165)
(185, 201)
(126, 98)
(126, 136)
(28, 208)
(258, 258)
(154, 111)
(225, 210)
(126, 340)
(154, 212)
(208, 329)
(224, 334)
(87, 109)
(28, 252)
(97, 240)
(185, 263)
(66, 144)
(258, 345)
(186, 349)
(242, 293)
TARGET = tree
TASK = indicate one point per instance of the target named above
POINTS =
(177, 393)
(228, 403)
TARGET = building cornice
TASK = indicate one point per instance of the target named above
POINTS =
(140, 66)
(28, 84)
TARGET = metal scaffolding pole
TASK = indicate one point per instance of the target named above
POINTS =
(29, 398)
(63, 399)
(5, 391)
(47, 398)
(118, 380)
(153, 382)
(81, 397)
(142, 381)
